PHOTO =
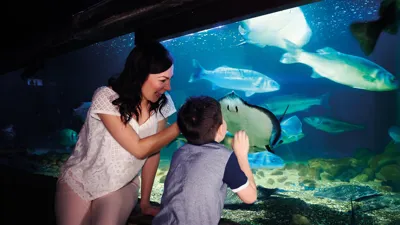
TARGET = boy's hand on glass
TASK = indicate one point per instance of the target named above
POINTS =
(240, 143)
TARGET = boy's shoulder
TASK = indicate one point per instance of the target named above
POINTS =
(209, 147)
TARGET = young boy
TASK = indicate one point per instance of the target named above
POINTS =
(200, 171)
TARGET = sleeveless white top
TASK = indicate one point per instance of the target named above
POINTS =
(99, 164)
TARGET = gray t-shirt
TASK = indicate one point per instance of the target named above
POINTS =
(196, 184)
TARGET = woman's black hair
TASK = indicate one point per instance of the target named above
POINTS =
(144, 59)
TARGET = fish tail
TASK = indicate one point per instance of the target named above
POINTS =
(198, 71)
(367, 34)
(325, 100)
(292, 126)
(292, 56)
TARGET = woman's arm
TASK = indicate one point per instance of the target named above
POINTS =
(149, 171)
(130, 140)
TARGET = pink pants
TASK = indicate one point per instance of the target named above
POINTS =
(111, 209)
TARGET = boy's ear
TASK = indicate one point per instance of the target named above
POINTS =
(220, 133)
(220, 130)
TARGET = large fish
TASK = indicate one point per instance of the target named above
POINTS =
(68, 137)
(272, 29)
(297, 103)
(249, 81)
(367, 33)
(82, 110)
(330, 125)
(394, 133)
(265, 131)
(353, 71)
(60, 142)
(265, 160)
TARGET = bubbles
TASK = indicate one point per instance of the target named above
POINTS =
(115, 46)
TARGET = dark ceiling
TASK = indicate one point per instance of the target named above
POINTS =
(35, 30)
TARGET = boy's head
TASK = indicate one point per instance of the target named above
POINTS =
(200, 120)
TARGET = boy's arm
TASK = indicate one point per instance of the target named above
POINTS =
(239, 178)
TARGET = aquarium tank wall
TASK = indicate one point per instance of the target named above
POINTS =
(337, 160)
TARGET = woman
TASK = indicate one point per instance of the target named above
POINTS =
(123, 134)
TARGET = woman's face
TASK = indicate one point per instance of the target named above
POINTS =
(157, 84)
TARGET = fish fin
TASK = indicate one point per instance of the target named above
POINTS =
(325, 100)
(241, 43)
(369, 78)
(229, 134)
(288, 58)
(292, 126)
(292, 47)
(326, 50)
(269, 149)
(198, 71)
(284, 113)
(315, 75)
(249, 93)
(367, 34)
(293, 53)
(241, 30)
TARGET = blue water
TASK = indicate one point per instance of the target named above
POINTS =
(39, 112)
(329, 22)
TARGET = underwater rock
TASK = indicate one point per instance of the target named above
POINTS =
(277, 172)
(369, 172)
(347, 192)
(291, 166)
(332, 166)
(389, 156)
(291, 184)
(389, 172)
(164, 168)
(348, 174)
(326, 176)
(308, 184)
(303, 171)
(385, 188)
(342, 169)
(271, 181)
(162, 179)
(282, 179)
(363, 154)
(298, 219)
(360, 178)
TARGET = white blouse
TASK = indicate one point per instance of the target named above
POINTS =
(99, 164)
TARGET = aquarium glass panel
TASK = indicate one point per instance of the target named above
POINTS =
(339, 152)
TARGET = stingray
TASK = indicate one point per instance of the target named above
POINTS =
(347, 193)
(264, 129)
(390, 202)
